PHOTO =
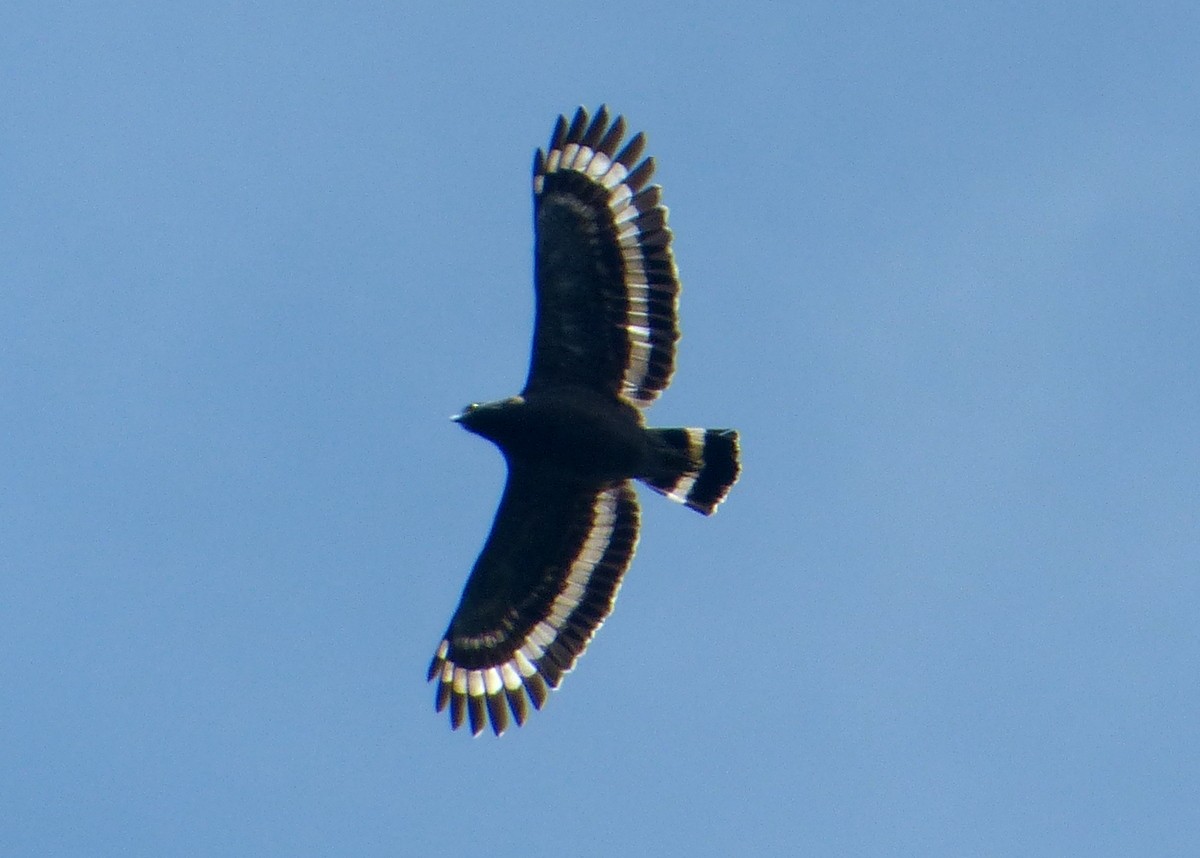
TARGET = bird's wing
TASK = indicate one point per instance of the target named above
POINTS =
(607, 289)
(544, 582)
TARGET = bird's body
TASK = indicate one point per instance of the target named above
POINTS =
(574, 440)
(595, 437)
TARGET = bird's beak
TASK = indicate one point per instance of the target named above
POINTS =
(457, 418)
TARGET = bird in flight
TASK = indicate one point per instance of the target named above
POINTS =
(574, 439)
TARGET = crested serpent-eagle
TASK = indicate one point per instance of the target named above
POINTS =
(574, 440)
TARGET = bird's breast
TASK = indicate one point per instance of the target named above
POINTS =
(592, 438)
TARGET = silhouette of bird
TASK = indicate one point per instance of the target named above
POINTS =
(574, 439)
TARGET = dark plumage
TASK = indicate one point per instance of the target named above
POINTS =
(603, 347)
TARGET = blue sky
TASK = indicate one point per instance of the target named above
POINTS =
(940, 269)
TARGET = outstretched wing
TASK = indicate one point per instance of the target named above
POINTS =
(545, 581)
(607, 289)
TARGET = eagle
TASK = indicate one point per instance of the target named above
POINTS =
(574, 440)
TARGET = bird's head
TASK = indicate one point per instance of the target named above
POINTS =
(489, 419)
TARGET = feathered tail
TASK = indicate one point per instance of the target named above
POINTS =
(697, 466)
